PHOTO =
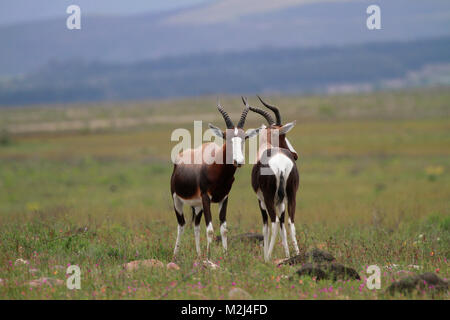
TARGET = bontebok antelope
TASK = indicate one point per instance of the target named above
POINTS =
(206, 174)
(275, 179)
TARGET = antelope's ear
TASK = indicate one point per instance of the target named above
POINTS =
(286, 128)
(253, 132)
(216, 130)
(291, 149)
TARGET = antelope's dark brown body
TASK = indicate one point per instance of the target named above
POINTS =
(275, 180)
(207, 177)
(189, 181)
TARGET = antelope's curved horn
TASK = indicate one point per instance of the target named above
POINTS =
(274, 109)
(225, 116)
(244, 113)
(265, 114)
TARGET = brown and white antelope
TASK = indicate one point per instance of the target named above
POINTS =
(208, 177)
(275, 179)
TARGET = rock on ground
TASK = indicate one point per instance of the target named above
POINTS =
(45, 281)
(210, 265)
(424, 281)
(172, 266)
(137, 264)
(332, 271)
(239, 294)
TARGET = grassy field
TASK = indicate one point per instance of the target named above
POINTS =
(89, 185)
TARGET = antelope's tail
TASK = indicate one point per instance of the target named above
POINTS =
(281, 189)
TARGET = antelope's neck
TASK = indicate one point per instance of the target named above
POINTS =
(223, 171)
(263, 147)
(228, 167)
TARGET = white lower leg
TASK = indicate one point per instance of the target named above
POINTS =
(209, 236)
(266, 240)
(293, 236)
(223, 233)
(272, 240)
(177, 243)
(178, 206)
(197, 239)
(284, 240)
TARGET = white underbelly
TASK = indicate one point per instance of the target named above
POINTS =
(194, 202)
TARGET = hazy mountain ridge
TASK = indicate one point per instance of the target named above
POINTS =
(356, 67)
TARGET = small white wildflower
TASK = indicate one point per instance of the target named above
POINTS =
(413, 266)
(21, 261)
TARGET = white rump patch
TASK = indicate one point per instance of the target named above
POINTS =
(279, 163)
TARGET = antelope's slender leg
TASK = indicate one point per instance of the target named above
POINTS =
(209, 227)
(274, 219)
(197, 218)
(291, 212)
(223, 222)
(293, 237)
(178, 205)
(283, 232)
(265, 229)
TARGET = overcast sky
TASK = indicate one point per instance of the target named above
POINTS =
(15, 11)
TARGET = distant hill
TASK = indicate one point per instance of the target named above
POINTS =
(255, 71)
(215, 27)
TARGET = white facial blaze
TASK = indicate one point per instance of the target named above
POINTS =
(238, 157)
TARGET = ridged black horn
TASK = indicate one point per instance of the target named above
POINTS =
(244, 113)
(225, 116)
(265, 114)
(274, 109)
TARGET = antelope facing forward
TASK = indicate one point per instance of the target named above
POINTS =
(275, 179)
(209, 178)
